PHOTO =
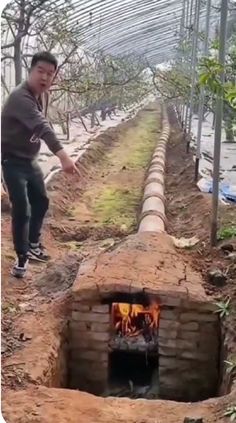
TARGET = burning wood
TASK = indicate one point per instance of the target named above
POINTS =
(131, 320)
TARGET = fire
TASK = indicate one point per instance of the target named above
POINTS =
(135, 319)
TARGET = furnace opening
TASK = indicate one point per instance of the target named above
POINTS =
(133, 349)
(134, 326)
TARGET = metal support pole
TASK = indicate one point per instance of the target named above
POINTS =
(218, 124)
(185, 62)
(193, 66)
(185, 59)
(202, 93)
(188, 24)
(181, 56)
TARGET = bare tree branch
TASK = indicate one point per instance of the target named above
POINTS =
(8, 56)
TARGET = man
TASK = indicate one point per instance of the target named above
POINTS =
(23, 125)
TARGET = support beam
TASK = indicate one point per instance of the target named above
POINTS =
(202, 93)
(218, 124)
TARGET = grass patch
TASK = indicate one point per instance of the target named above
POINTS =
(227, 233)
(115, 201)
(142, 141)
(116, 206)
(136, 145)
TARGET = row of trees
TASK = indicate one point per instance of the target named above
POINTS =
(85, 82)
(89, 82)
(175, 83)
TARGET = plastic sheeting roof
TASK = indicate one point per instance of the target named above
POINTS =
(145, 27)
(150, 28)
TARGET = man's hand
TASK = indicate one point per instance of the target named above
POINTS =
(69, 166)
(67, 163)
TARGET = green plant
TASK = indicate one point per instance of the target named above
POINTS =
(210, 71)
(223, 308)
(231, 413)
(230, 95)
(228, 232)
(215, 44)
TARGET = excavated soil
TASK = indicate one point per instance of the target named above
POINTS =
(64, 406)
(189, 214)
(36, 310)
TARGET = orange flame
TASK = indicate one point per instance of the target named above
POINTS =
(134, 319)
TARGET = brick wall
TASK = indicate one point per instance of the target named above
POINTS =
(188, 349)
(89, 335)
(188, 353)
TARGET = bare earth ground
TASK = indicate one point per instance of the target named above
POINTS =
(83, 222)
(189, 214)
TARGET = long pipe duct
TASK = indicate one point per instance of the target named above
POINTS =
(152, 217)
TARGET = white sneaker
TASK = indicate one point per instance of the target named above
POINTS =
(20, 266)
(38, 252)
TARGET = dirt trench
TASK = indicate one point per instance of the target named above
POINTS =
(88, 217)
(107, 202)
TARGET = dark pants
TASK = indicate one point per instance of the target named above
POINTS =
(26, 188)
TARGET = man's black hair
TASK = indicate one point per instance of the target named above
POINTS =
(44, 56)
